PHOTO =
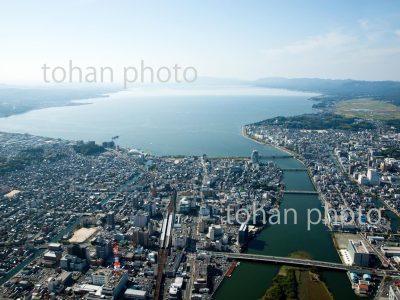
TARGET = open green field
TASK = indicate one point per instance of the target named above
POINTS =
(367, 108)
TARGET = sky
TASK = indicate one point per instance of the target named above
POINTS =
(358, 39)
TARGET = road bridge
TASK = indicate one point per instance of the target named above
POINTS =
(305, 263)
(300, 192)
(275, 156)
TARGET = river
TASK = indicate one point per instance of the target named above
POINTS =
(250, 280)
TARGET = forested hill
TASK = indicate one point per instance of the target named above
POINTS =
(318, 122)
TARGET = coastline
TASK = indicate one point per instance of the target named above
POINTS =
(288, 151)
(74, 101)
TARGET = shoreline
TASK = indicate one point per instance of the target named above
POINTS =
(288, 151)
(80, 101)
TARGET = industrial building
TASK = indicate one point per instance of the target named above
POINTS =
(390, 251)
(135, 294)
(359, 254)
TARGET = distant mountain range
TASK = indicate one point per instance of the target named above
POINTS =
(337, 89)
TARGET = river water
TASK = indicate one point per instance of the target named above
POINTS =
(193, 125)
(250, 280)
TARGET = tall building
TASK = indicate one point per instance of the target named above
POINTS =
(351, 169)
(373, 177)
(103, 248)
(140, 219)
(215, 232)
(110, 219)
(243, 235)
(140, 236)
(184, 205)
(255, 157)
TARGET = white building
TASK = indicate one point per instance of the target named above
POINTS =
(135, 294)
(215, 232)
(373, 177)
(394, 293)
(204, 211)
(101, 277)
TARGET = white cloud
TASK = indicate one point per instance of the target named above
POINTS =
(364, 24)
(336, 54)
(397, 33)
(375, 29)
(326, 41)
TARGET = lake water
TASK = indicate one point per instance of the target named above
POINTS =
(171, 124)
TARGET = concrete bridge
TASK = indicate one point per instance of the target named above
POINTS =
(274, 156)
(294, 169)
(305, 263)
(300, 192)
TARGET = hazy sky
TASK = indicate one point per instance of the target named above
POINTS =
(357, 39)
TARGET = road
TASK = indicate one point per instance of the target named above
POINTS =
(382, 258)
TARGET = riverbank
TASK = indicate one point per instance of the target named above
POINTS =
(307, 277)
(340, 246)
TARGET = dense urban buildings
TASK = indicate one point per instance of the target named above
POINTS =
(118, 223)
(356, 172)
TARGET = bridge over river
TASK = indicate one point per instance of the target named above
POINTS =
(275, 156)
(305, 263)
(300, 192)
